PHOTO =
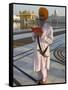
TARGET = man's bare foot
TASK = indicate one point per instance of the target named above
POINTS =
(38, 82)
(43, 82)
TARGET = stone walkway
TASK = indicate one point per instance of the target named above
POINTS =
(24, 62)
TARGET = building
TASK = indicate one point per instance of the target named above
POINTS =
(56, 20)
(27, 19)
(16, 24)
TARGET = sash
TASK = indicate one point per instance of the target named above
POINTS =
(41, 52)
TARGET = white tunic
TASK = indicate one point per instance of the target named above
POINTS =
(45, 40)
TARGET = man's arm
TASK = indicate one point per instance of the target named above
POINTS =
(33, 36)
(49, 39)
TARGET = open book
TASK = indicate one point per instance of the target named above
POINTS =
(37, 30)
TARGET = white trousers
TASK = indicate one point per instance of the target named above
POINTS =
(40, 65)
(43, 69)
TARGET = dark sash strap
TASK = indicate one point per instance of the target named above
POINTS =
(45, 50)
(42, 52)
(39, 44)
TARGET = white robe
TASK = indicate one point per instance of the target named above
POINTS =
(45, 40)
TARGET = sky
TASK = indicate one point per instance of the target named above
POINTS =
(19, 7)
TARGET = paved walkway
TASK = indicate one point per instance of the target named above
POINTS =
(23, 65)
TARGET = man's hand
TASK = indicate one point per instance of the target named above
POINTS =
(38, 34)
(38, 31)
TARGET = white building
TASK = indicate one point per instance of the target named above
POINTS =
(16, 25)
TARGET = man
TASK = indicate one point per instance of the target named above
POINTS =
(41, 47)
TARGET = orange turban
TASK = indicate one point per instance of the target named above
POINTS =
(43, 12)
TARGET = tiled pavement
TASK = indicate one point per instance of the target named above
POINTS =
(56, 74)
